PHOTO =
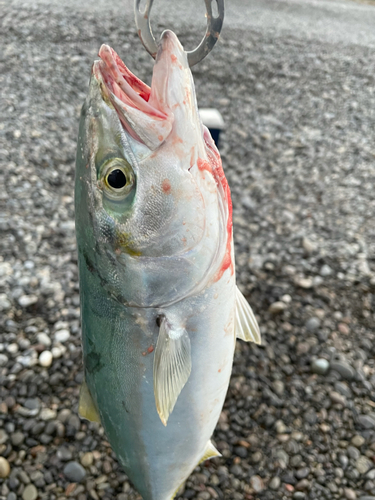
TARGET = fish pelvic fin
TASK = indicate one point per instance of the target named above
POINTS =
(172, 367)
(86, 406)
(246, 327)
(209, 452)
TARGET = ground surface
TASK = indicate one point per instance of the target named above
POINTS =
(295, 82)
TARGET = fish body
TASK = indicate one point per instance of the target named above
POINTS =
(159, 304)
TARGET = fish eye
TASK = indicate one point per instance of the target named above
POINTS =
(117, 178)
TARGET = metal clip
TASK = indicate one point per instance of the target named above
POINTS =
(214, 25)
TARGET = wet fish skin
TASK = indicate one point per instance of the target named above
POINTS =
(156, 270)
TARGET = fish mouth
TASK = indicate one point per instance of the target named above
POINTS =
(137, 107)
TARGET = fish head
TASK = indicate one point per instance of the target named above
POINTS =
(150, 211)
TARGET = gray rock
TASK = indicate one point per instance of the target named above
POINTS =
(343, 368)
(313, 324)
(74, 472)
(366, 421)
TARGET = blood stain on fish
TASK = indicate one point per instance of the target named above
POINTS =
(166, 186)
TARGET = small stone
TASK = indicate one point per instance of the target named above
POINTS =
(45, 359)
(350, 494)
(274, 484)
(280, 427)
(17, 438)
(277, 307)
(87, 459)
(305, 283)
(343, 328)
(62, 335)
(47, 414)
(3, 436)
(357, 441)
(302, 473)
(44, 339)
(3, 359)
(256, 457)
(27, 300)
(4, 468)
(337, 398)
(308, 245)
(366, 421)
(320, 366)
(363, 464)
(30, 492)
(257, 484)
(302, 485)
(344, 369)
(325, 271)
(74, 472)
(313, 324)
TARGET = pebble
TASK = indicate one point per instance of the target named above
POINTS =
(366, 421)
(30, 492)
(47, 414)
(3, 359)
(350, 494)
(344, 369)
(337, 398)
(45, 359)
(74, 472)
(363, 464)
(44, 339)
(357, 441)
(320, 366)
(17, 438)
(62, 335)
(313, 324)
(257, 484)
(4, 467)
(87, 459)
(277, 307)
(27, 300)
(274, 484)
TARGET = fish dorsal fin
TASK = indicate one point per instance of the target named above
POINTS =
(172, 367)
(209, 452)
(246, 328)
(86, 406)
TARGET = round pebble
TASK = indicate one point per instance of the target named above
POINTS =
(4, 467)
(74, 472)
(45, 359)
(320, 366)
(62, 335)
(30, 492)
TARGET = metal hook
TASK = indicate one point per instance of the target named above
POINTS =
(214, 25)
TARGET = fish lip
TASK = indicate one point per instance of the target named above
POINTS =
(129, 96)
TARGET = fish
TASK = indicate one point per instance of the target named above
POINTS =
(160, 309)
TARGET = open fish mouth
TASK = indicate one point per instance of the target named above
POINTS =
(137, 105)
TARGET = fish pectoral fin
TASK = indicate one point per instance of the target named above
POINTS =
(86, 406)
(246, 328)
(209, 452)
(172, 367)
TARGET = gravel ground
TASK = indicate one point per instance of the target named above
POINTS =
(299, 153)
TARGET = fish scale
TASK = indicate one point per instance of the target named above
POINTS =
(159, 304)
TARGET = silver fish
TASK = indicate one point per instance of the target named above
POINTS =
(160, 306)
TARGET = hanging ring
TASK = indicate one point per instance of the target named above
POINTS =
(214, 25)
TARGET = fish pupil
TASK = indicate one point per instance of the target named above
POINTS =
(116, 179)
